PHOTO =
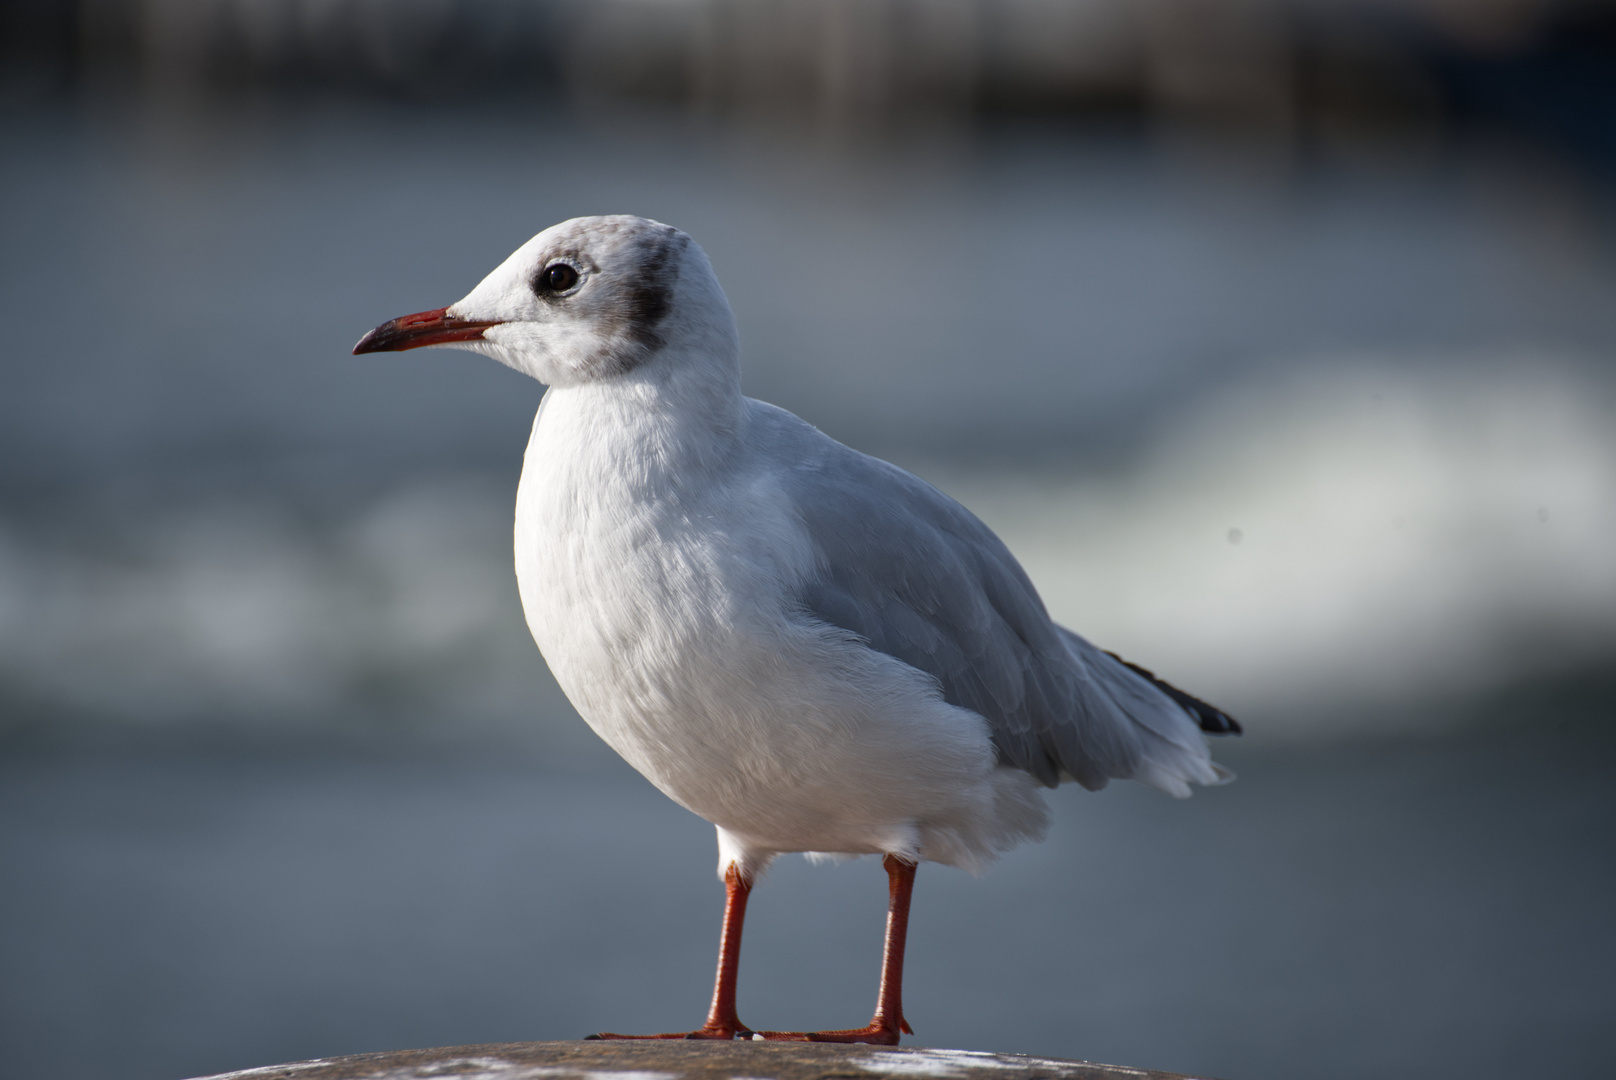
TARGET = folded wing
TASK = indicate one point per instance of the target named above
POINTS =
(919, 578)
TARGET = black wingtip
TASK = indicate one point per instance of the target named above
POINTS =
(1213, 720)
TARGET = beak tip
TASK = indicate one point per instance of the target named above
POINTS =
(424, 328)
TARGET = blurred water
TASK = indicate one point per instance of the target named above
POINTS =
(1391, 380)
(1301, 558)
(185, 290)
(1398, 909)
(1326, 441)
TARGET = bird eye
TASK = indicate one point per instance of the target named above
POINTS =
(558, 278)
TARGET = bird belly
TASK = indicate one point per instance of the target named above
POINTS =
(687, 660)
(664, 605)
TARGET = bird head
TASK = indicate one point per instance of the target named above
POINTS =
(589, 299)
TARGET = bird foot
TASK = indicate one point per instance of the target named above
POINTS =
(878, 1033)
(699, 1033)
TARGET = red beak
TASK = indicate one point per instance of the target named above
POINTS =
(423, 328)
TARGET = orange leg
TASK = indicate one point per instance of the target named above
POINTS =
(888, 1022)
(722, 1023)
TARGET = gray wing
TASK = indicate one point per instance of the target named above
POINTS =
(919, 578)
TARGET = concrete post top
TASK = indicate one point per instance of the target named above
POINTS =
(679, 1059)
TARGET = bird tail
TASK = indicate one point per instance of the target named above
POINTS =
(1213, 720)
(1158, 729)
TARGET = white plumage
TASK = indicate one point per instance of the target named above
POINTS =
(810, 648)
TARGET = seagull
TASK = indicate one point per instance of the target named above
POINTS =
(810, 648)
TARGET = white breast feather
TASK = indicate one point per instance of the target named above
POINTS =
(659, 595)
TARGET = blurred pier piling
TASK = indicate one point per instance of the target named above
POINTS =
(1281, 69)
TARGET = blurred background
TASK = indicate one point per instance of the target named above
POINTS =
(1277, 337)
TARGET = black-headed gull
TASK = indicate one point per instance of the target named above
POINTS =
(812, 649)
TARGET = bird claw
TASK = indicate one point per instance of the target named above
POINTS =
(699, 1033)
(874, 1035)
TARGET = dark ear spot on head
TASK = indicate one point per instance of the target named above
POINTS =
(649, 295)
(640, 299)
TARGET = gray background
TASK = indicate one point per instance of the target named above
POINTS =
(1317, 428)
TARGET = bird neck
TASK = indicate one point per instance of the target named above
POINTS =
(662, 425)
